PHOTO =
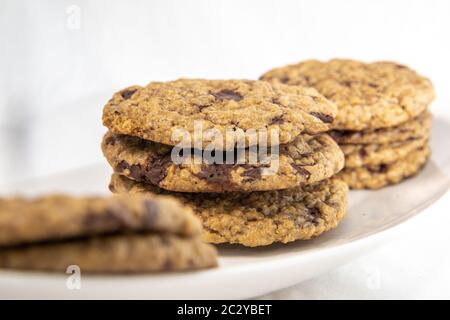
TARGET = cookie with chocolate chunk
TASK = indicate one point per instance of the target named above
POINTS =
(160, 109)
(307, 159)
(124, 233)
(258, 218)
(357, 155)
(378, 176)
(368, 95)
(416, 128)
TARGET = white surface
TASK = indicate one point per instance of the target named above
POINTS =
(52, 71)
(374, 218)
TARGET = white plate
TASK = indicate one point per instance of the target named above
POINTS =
(244, 273)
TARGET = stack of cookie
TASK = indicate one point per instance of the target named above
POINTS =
(119, 234)
(382, 125)
(288, 194)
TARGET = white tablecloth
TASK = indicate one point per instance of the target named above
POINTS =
(414, 265)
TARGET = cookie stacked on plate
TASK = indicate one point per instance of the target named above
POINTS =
(251, 158)
(119, 234)
(382, 125)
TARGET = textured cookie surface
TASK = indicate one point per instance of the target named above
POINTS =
(57, 217)
(307, 159)
(259, 218)
(114, 254)
(357, 155)
(156, 111)
(375, 177)
(368, 95)
(123, 233)
(417, 128)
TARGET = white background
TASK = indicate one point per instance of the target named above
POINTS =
(60, 61)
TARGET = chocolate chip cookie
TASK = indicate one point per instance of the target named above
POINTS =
(378, 176)
(357, 155)
(160, 109)
(124, 233)
(258, 218)
(307, 159)
(368, 95)
(417, 128)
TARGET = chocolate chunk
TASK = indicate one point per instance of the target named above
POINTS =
(154, 172)
(150, 213)
(251, 173)
(323, 117)
(363, 152)
(382, 168)
(201, 107)
(341, 133)
(217, 174)
(111, 140)
(112, 220)
(277, 120)
(373, 85)
(227, 95)
(347, 83)
(302, 171)
(127, 93)
(284, 79)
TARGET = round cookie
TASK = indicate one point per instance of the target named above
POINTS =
(259, 218)
(307, 159)
(417, 128)
(133, 253)
(56, 217)
(124, 233)
(368, 95)
(375, 177)
(375, 154)
(160, 109)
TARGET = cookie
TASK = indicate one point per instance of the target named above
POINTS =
(124, 233)
(375, 177)
(417, 128)
(368, 95)
(127, 253)
(357, 155)
(307, 159)
(259, 218)
(60, 217)
(160, 109)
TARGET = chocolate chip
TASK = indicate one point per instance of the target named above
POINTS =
(302, 171)
(373, 85)
(382, 168)
(201, 107)
(113, 219)
(277, 120)
(325, 118)
(363, 152)
(127, 93)
(219, 174)
(400, 66)
(314, 212)
(341, 133)
(154, 171)
(111, 140)
(151, 213)
(347, 83)
(284, 79)
(251, 173)
(227, 95)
